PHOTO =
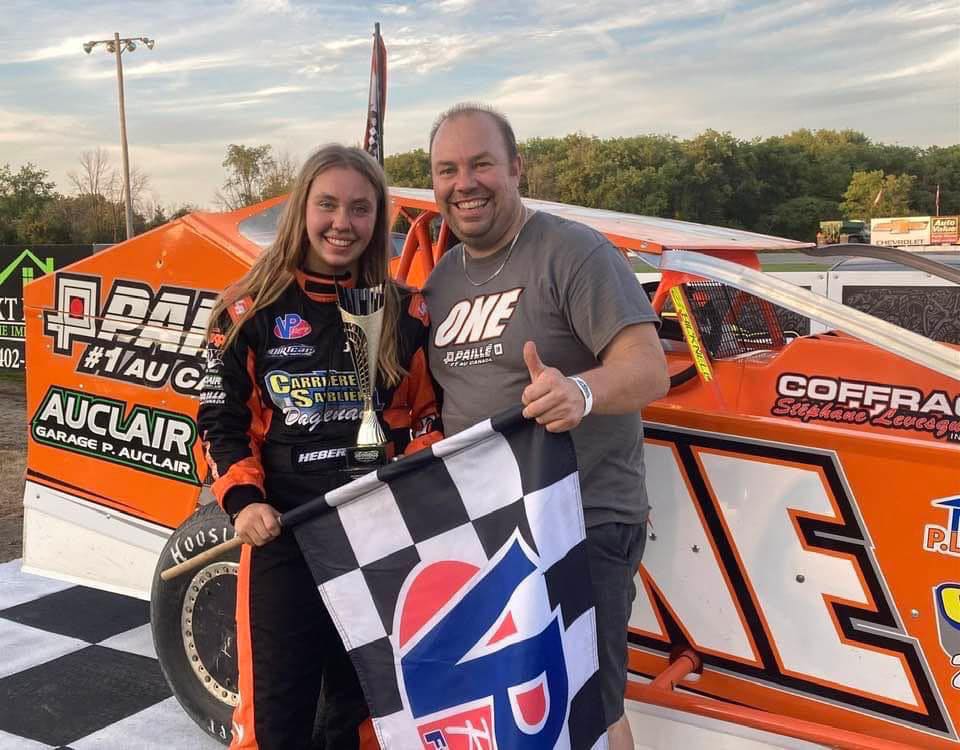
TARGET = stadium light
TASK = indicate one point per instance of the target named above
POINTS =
(117, 47)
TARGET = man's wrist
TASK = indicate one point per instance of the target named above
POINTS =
(585, 391)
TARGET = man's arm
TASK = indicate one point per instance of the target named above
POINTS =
(632, 373)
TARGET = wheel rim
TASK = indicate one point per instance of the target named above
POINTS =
(208, 629)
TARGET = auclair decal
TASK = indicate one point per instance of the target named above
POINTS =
(818, 398)
(291, 326)
(140, 437)
(138, 335)
(499, 687)
(818, 621)
(470, 330)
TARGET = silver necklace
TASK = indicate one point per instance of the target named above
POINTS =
(463, 253)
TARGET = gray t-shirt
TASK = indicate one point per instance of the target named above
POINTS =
(566, 288)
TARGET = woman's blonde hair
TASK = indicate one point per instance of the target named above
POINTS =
(276, 267)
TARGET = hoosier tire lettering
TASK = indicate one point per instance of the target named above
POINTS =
(193, 622)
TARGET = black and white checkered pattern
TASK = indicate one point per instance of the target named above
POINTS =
(462, 500)
(78, 672)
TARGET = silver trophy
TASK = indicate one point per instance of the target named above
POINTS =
(362, 313)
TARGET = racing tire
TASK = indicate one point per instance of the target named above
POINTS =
(193, 619)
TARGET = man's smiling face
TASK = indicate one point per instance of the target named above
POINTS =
(475, 182)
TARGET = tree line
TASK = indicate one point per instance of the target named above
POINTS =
(783, 185)
(33, 211)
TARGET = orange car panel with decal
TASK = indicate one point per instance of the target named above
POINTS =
(805, 501)
(89, 349)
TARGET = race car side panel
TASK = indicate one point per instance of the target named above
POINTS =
(114, 344)
(792, 558)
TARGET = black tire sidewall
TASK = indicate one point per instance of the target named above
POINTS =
(206, 528)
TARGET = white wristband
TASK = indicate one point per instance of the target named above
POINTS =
(585, 392)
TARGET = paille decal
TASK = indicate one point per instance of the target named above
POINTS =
(137, 336)
(815, 619)
(152, 440)
(820, 398)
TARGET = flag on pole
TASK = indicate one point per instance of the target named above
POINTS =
(937, 201)
(373, 135)
(458, 581)
(879, 196)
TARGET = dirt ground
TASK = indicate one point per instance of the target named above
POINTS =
(13, 463)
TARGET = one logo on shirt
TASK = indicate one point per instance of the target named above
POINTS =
(470, 323)
(290, 326)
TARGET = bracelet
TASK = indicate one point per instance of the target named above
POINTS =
(585, 392)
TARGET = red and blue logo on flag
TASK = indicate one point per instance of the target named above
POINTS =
(482, 658)
(290, 326)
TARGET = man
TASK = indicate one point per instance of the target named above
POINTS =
(535, 308)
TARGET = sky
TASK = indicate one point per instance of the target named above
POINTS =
(295, 74)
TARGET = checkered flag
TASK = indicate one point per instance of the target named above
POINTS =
(373, 133)
(459, 583)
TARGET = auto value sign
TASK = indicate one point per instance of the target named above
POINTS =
(944, 230)
(18, 266)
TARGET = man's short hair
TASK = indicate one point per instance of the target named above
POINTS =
(474, 108)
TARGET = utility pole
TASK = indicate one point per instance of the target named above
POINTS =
(118, 46)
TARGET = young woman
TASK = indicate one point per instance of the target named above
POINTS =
(279, 407)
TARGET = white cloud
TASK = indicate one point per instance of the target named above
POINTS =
(294, 74)
(394, 10)
(67, 48)
(948, 60)
(155, 68)
(451, 6)
(37, 128)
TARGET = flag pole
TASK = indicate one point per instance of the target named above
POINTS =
(377, 101)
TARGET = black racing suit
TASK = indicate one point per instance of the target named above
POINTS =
(278, 409)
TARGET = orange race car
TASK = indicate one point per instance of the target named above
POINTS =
(800, 584)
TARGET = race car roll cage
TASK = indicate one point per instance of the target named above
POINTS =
(681, 269)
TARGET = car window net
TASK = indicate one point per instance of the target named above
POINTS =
(733, 323)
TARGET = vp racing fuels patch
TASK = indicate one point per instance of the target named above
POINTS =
(143, 438)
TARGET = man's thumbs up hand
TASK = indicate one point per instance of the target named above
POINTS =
(534, 363)
(552, 399)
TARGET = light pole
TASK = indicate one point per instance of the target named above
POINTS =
(118, 46)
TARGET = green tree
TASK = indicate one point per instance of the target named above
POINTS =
(797, 218)
(873, 194)
(247, 169)
(938, 166)
(409, 169)
(24, 199)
